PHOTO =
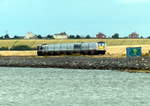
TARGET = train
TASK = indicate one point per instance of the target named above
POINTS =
(84, 48)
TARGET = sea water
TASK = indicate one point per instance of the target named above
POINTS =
(72, 87)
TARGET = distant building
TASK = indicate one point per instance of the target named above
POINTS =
(30, 35)
(100, 36)
(134, 35)
(62, 35)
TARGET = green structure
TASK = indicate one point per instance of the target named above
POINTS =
(134, 51)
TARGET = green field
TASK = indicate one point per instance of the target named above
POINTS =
(110, 42)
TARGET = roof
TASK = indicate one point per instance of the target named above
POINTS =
(30, 35)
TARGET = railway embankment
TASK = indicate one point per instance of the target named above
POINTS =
(78, 62)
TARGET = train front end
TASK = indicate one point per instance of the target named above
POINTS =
(40, 50)
(101, 48)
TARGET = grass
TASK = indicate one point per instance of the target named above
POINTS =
(112, 51)
(18, 53)
(120, 51)
(115, 48)
(110, 42)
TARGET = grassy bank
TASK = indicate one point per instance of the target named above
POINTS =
(110, 42)
(115, 47)
(112, 51)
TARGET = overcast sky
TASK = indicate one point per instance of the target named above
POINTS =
(75, 16)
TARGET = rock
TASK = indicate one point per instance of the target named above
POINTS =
(78, 62)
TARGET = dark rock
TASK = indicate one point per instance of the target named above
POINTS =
(78, 62)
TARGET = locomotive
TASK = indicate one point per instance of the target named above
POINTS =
(85, 48)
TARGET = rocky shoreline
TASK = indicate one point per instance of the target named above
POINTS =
(78, 62)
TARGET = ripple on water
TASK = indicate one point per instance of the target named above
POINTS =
(68, 87)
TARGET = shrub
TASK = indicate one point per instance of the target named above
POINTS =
(4, 48)
(21, 47)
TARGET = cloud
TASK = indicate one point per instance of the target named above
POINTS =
(133, 1)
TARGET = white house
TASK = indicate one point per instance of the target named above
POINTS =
(62, 35)
(30, 35)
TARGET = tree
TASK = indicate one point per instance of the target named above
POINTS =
(71, 36)
(16, 37)
(50, 36)
(115, 36)
(6, 36)
(39, 36)
(78, 36)
(88, 36)
(141, 37)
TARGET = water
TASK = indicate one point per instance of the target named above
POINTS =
(68, 87)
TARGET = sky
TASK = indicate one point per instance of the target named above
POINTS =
(82, 17)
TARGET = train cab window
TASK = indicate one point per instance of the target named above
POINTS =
(40, 48)
(101, 43)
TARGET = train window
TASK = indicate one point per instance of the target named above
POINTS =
(45, 48)
(77, 46)
(101, 44)
(40, 48)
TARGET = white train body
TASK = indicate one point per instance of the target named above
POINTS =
(71, 48)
